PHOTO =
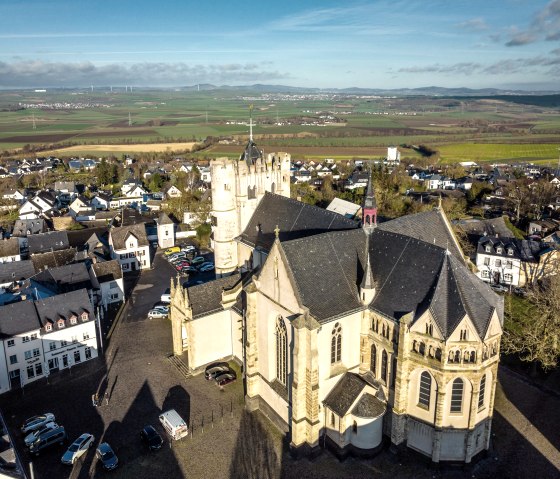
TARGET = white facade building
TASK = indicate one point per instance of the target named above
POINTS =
(130, 245)
(45, 336)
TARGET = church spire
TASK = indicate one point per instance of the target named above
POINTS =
(367, 286)
(369, 209)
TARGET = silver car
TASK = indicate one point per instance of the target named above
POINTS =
(77, 449)
(34, 435)
(36, 422)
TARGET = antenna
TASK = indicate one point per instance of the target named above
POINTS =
(250, 122)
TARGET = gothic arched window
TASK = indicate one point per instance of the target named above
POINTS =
(481, 392)
(281, 351)
(425, 390)
(457, 395)
(384, 366)
(336, 344)
(373, 360)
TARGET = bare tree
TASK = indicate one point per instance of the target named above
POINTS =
(532, 332)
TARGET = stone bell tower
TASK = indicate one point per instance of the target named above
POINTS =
(237, 188)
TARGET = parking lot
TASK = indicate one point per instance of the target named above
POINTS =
(224, 440)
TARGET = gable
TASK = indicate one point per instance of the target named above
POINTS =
(275, 280)
(464, 324)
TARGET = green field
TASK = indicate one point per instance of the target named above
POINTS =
(471, 129)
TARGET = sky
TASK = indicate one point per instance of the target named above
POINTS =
(508, 44)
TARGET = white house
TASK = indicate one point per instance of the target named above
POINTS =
(15, 195)
(393, 155)
(79, 206)
(165, 231)
(130, 245)
(101, 201)
(45, 336)
(205, 175)
(136, 191)
(173, 192)
(107, 277)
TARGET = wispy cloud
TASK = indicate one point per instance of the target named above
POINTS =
(39, 73)
(474, 25)
(544, 26)
(509, 66)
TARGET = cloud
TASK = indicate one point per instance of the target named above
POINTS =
(474, 25)
(545, 25)
(34, 73)
(550, 66)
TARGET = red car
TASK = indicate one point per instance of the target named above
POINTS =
(225, 378)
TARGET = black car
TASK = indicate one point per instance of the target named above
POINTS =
(216, 369)
(151, 438)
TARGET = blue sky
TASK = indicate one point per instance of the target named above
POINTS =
(308, 43)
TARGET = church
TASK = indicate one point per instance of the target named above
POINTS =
(350, 335)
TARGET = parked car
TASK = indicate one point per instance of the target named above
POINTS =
(157, 314)
(48, 439)
(107, 456)
(188, 248)
(191, 270)
(164, 308)
(36, 422)
(499, 288)
(520, 291)
(225, 378)
(77, 449)
(176, 256)
(197, 260)
(172, 250)
(214, 371)
(174, 424)
(166, 296)
(34, 435)
(151, 438)
(208, 266)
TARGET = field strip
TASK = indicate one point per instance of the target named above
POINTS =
(132, 148)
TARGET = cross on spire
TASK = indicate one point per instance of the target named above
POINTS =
(277, 232)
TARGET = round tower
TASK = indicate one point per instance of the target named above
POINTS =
(225, 225)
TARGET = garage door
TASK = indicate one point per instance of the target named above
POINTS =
(420, 437)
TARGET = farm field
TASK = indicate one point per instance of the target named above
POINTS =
(306, 125)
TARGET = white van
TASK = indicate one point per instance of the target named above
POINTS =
(174, 424)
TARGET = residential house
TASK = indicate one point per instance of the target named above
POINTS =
(130, 245)
(53, 259)
(66, 191)
(79, 206)
(542, 227)
(25, 228)
(43, 203)
(173, 192)
(101, 201)
(15, 195)
(10, 250)
(136, 191)
(302, 176)
(107, 278)
(511, 261)
(129, 185)
(345, 208)
(39, 338)
(165, 231)
(205, 174)
(15, 272)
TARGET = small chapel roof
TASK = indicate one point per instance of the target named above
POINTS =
(206, 298)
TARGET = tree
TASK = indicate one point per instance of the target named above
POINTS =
(103, 172)
(156, 182)
(532, 328)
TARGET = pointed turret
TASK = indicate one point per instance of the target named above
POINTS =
(367, 287)
(369, 210)
(251, 153)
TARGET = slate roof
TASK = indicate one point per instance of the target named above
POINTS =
(369, 407)
(488, 227)
(251, 153)
(120, 235)
(9, 247)
(294, 219)
(164, 219)
(410, 275)
(65, 278)
(18, 318)
(51, 241)
(525, 250)
(53, 259)
(65, 305)
(429, 226)
(207, 297)
(16, 271)
(107, 271)
(344, 394)
(24, 227)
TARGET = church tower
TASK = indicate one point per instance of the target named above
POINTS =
(238, 186)
(369, 210)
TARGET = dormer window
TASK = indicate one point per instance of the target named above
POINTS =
(510, 251)
(85, 316)
(60, 323)
(73, 320)
(499, 250)
(48, 327)
(488, 248)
